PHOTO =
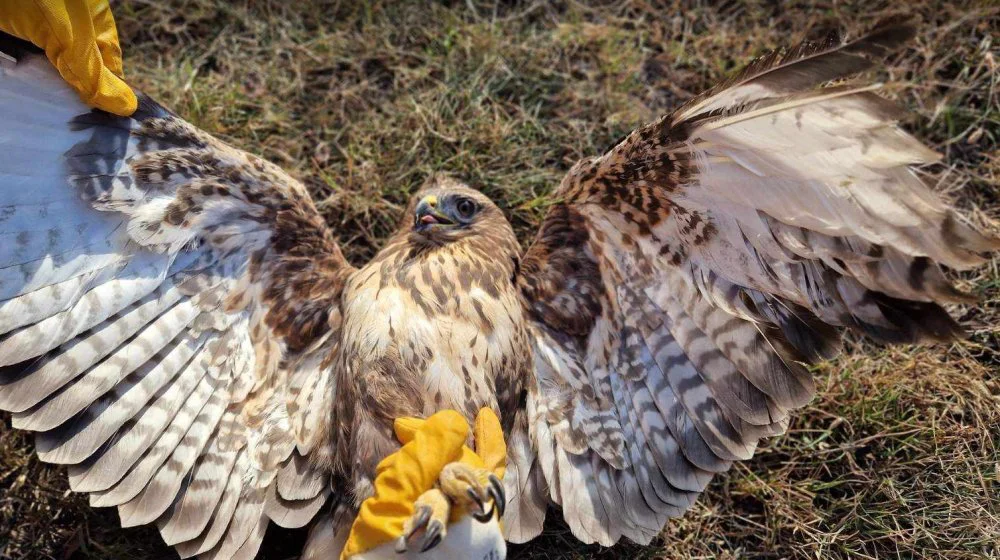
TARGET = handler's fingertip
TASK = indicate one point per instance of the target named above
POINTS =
(114, 96)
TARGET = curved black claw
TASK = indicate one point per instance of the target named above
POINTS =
(496, 492)
(432, 537)
(483, 515)
(420, 519)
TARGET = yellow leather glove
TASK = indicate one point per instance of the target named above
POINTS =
(428, 446)
(80, 40)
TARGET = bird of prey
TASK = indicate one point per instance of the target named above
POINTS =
(180, 328)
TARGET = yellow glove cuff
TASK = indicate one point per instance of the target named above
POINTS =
(80, 40)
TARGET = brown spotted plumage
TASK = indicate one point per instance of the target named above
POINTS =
(686, 278)
(179, 326)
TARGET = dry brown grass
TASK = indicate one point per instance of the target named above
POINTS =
(897, 457)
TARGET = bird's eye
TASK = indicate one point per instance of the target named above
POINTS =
(466, 208)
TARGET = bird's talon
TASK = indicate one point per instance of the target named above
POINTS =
(478, 491)
(475, 497)
(432, 537)
(431, 544)
(430, 514)
(420, 519)
(498, 495)
(483, 516)
(411, 526)
(401, 544)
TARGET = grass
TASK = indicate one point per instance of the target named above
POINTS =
(898, 455)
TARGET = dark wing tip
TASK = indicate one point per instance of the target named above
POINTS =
(888, 36)
(150, 108)
(913, 322)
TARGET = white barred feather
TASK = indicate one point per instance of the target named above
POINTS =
(191, 514)
(75, 396)
(81, 437)
(221, 515)
(727, 240)
(111, 463)
(143, 470)
(129, 338)
(159, 493)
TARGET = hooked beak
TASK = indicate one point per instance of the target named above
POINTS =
(427, 214)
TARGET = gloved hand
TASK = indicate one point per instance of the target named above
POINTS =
(80, 40)
(434, 491)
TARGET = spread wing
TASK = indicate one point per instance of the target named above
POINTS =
(165, 305)
(689, 275)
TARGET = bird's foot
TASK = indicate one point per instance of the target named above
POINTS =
(477, 491)
(430, 515)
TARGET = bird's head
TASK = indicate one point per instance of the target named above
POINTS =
(445, 211)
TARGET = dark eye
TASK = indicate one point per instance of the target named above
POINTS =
(466, 208)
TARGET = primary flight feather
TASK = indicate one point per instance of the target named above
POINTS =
(179, 326)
